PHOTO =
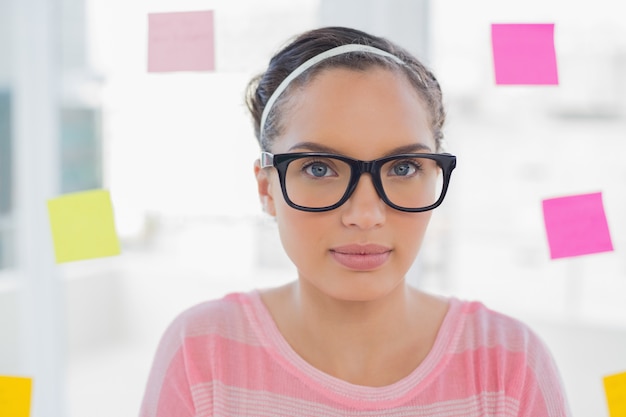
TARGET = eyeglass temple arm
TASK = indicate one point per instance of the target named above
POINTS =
(267, 160)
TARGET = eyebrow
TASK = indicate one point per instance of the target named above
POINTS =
(316, 147)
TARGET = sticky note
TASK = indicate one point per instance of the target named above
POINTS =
(615, 389)
(181, 41)
(15, 393)
(524, 54)
(576, 225)
(83, 226)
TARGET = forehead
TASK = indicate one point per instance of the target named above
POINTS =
(363, 114)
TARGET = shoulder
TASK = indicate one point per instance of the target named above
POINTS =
(224, 318)
(504, 344)
(486, 328)
(513, 356)
(211, 312)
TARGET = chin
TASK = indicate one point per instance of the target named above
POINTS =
(369, 288)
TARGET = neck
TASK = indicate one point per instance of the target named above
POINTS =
(372, 343)
(354, 340)
(369, 321)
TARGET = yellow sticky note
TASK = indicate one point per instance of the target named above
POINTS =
(15, 396)
(83, 226)
(615, 387)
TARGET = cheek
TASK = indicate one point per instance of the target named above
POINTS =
(291, 224)
(411, 230)
(422, 219)
(281, 209)
(301, 235)
(304, 235)
(299, 225)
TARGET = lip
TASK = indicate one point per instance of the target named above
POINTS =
(361, 257)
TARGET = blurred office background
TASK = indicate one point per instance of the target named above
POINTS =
(78, 111)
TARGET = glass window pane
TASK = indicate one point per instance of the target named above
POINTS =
(81, 165)
(6, 180)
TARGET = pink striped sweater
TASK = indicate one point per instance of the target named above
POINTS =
(227, 358)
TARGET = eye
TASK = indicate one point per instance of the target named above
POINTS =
(404, 168)
(318, 169)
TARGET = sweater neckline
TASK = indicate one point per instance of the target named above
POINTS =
(345, 392)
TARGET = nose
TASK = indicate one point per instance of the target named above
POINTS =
(364, 209)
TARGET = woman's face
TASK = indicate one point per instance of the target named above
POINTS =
(363, 249)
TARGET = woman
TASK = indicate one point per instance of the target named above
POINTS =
(351, 165)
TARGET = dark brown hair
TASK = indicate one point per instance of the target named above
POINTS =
(314, 42)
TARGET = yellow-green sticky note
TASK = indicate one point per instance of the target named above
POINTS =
(15, 396)
(83, 226)
(615, 388)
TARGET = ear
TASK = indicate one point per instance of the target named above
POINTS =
(264, 188)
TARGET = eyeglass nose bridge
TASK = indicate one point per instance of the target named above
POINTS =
(365, 167)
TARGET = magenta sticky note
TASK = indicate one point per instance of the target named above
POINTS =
(181, 41)
(524, 54)
(576, 225)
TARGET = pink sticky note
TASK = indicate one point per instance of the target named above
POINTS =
(523, 54)
(576, 225)
(181, 41)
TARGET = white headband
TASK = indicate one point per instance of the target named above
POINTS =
(343, 49)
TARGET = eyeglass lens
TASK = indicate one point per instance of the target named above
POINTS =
(408, 182)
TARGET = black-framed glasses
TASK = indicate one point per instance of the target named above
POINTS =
(312, 181)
